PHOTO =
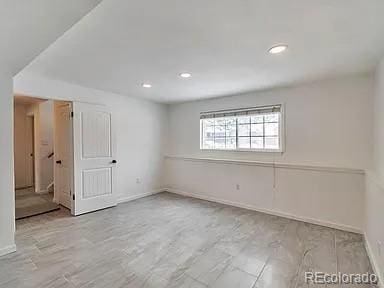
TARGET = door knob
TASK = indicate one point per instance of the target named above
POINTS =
(114, 161)
(58, 162)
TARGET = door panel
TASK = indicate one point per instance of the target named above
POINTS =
(63, 153)
(94, 171)
(96, 134)
(97, 182)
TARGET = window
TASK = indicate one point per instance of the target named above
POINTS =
(255, 129)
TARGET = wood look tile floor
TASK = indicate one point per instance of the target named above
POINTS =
(172, 241)
(28, 203)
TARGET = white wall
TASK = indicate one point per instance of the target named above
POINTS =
(7, 197)
(141, 131)
(328, 125)
(335, 131)
(378, 123)
(374, 199)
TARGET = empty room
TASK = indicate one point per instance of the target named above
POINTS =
(204, 144)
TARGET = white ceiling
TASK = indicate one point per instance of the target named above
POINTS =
(223, 43)
(28, 27)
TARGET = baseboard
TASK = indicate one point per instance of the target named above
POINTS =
(23, 187)
(268, 211)
(7, 250)
(372, 258)
(138, 196)
(42, 192)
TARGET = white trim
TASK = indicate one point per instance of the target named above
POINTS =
(278, 151)
(374, 262)
(7, 250)
(138, 196)
(23, 187)
(42, 192)
(268, 211)
(270, 164)
(54, 200)
(240, 110)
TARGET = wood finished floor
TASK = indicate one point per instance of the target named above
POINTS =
(172, 241)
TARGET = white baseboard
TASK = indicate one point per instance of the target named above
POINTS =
(268, 211)
(7, 250)
(138, 196)
(374, 262)
(42, 192)
(23, 187)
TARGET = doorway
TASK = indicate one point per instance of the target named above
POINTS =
(40, 138)
(73, 159)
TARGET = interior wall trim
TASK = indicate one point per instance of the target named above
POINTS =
(270, 164)
(7, 250)
(138, 196)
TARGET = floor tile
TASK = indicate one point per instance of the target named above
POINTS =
(172, 241)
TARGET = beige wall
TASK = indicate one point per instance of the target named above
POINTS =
(23, 145)
(42, 114)
(44, 145)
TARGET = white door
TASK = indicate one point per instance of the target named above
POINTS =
(94, 162)
(63, 153)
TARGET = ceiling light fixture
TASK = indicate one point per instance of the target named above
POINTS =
(277, 49)
(146, 85)
(185, 75)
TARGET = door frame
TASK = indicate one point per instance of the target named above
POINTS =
(32, 118)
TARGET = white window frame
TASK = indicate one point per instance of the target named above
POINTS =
(257, 150)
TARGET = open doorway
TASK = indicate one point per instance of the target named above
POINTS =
(73, 156)
(43, 155)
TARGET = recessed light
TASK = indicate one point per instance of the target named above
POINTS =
(277, 49)
(185, 75)
(146, 85)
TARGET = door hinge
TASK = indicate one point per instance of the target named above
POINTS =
(72, 114)
(73, 197)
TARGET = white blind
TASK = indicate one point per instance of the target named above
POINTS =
(240, 112)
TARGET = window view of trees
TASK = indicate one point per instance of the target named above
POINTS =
(258, 132)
